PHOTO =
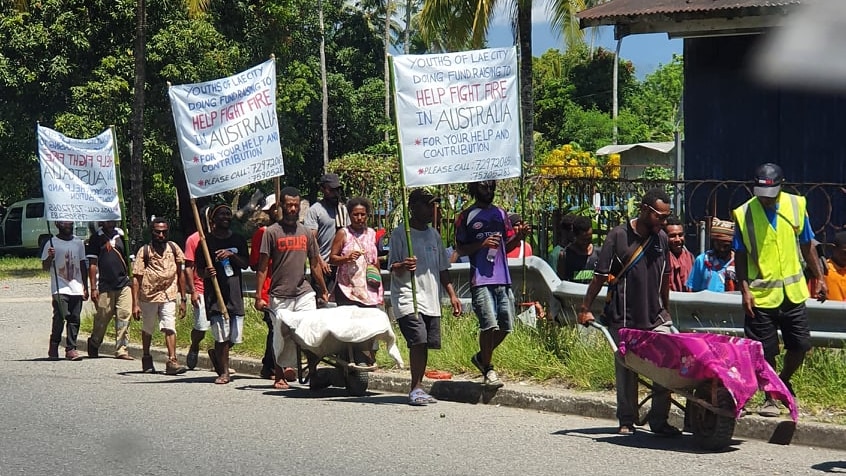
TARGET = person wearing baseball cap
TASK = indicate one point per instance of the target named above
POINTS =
(429, 267)
(770, 275)
(324, 218)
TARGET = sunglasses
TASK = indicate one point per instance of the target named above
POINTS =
(661, 216)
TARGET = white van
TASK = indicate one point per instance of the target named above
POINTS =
(24, 228)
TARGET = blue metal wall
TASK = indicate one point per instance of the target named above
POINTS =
(733, 123)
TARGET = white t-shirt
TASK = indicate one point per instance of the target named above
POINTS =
(68, 266)
(431, 260)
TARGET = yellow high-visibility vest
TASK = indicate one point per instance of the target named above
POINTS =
(773, 267)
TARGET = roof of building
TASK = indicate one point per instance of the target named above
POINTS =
(625, 11)
(663, 147)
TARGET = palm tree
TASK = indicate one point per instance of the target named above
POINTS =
(466, 22)
(136, 161)
(563, 19)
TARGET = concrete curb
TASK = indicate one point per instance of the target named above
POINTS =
(532, 397)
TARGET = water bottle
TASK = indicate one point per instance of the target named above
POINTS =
(227, 267)
(492, 253)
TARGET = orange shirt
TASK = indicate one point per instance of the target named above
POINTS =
(835, 279)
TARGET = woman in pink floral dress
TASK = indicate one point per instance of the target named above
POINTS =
(353, 249)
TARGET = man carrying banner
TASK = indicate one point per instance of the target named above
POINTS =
(324, 218)
(429, 266)
(65, 255)
(111, 293)
(228, 251)
(484, 233)
(157, 278)
(288, 244)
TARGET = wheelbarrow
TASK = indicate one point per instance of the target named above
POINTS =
(337, 337)
(717, 374)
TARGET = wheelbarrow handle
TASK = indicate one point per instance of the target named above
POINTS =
(605, 332)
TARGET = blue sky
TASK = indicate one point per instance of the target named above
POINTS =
(647, 52)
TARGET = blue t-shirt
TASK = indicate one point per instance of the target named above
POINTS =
(474, 225)
(710, 273)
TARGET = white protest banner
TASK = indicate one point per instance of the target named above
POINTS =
(227, 130)
(458, 116)
(78, 176)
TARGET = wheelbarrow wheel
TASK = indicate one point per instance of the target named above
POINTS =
(712, 432)
(357, 383)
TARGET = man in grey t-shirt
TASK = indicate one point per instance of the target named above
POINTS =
(324, 218)
(420, 325)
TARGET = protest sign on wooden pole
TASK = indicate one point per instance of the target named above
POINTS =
(78, 176)
(78, 181)
(228, 135)
(457, 118)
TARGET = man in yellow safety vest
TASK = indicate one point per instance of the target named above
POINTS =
(770, 225)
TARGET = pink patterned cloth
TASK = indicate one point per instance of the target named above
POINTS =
(737, 362)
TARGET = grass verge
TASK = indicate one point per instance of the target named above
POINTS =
(21, 268)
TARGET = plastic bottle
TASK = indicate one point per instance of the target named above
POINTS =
(227, 267)
(492, 253)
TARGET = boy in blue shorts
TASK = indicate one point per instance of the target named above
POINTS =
(484, 234)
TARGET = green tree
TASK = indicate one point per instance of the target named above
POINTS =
(136, 169)
(45, 48)
(657, 100)
(591, 76)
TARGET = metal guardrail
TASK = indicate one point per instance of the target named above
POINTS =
(704, 311)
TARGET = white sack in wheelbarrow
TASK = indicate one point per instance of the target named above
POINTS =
(321, 330)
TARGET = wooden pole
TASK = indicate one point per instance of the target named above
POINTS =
(277, 215)
(207, 255)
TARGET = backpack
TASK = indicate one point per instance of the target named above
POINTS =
(146, 253)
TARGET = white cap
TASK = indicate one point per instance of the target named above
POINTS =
(269, 201)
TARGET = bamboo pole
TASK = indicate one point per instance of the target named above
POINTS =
(405, 217)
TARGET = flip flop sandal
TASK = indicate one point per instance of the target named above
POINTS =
(281, 385)
(221, 380)
(438, 374)
(418, 398)
(429, 398)
(626, 430)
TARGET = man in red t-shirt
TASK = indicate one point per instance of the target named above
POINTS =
(194, 284)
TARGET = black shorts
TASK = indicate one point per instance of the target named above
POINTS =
(790, 318)
(422, 330)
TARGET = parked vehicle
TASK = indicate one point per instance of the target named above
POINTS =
(24, 228)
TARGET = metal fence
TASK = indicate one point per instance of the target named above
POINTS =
(545, 194)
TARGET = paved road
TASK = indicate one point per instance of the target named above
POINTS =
(103, 417)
